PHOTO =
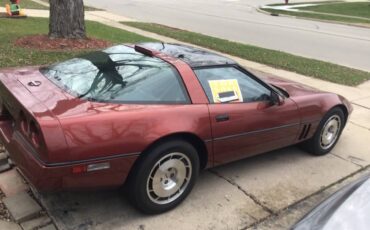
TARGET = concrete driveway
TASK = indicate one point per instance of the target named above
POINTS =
(239, 195)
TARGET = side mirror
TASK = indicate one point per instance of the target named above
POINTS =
(276, 99)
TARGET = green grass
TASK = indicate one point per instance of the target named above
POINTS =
(11, 29)
(344, 11)
(298, 3)
(87, 8)
(320, 16)
(357, 9)
(25, 4)
(29, 4)
(310, 67)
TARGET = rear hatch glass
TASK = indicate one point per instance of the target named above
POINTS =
(118, 74)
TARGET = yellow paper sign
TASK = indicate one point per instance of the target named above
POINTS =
(224, 86)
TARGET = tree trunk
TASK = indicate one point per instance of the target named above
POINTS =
(67, 19)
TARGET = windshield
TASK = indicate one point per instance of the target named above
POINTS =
(118, 74)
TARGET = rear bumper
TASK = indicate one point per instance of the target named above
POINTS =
(53, 177)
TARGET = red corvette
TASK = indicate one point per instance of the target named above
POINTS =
(151, 116)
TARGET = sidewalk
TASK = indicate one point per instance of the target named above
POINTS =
(243, 194)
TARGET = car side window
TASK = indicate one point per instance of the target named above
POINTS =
(228, 84)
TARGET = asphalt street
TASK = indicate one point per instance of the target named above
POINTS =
(238, 20)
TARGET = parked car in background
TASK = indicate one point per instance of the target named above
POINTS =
(151, 116)
(348, 208)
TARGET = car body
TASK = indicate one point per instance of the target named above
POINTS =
(347, 208)
(64, 138)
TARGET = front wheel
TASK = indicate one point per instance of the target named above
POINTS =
(164, 177)
(327, 133)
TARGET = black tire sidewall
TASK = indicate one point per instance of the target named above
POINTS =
(137, 190)
(317, 149)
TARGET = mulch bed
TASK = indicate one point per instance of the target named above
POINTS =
(43, 42)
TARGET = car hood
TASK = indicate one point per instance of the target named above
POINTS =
(348, 208)
(293, 88)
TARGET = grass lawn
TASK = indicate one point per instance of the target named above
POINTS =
(310, 67)
(320, 16)
(29, 4)
(87, 8)
(347, 9)
(11, 29)
(294, 3)
(25, 4)
(357, 9)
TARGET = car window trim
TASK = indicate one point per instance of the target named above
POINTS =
(139, 102)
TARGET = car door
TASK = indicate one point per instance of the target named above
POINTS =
(244, 121)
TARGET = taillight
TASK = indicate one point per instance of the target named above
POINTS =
(23, 123)
(35, 134)
(4, 113)
(30, 129)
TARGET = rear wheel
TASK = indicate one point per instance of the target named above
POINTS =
(327, 134)
(164, 177)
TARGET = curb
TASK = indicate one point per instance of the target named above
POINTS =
(260, 10)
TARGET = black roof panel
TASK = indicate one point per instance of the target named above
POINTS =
(195, 57)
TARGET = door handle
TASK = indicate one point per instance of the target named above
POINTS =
(222, 117)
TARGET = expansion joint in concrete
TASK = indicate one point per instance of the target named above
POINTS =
(251, 196)
(347, 160)
(365, 107)
(361, 126)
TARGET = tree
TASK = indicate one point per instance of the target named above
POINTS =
(67, 19)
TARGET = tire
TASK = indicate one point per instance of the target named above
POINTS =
(327, 133)
(154, 191)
